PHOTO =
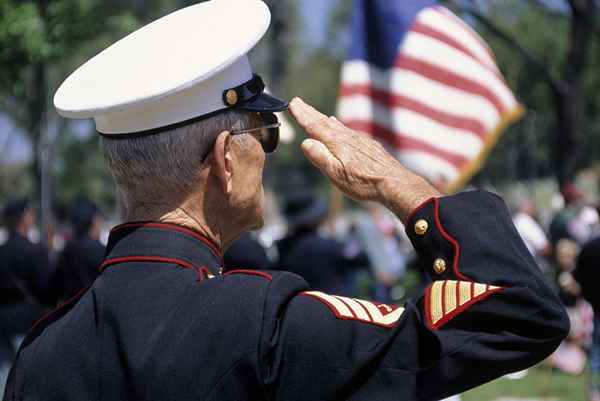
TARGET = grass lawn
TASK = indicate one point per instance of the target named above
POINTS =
(540, 383)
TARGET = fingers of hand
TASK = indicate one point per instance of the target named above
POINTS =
(316, 124)
(320, 156)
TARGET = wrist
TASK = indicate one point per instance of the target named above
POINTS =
(402, 195)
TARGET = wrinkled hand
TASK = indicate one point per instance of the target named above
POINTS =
(359, 166)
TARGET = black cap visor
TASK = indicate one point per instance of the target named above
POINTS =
(251, 96)
(265, 103)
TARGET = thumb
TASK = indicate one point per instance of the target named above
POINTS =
(319, 155)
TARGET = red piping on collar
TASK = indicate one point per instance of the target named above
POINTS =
(156, 259)
(173, 227)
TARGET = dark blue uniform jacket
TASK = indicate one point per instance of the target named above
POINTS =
(161, 322)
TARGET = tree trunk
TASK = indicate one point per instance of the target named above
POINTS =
(569, 105)
(38, 129)
(279, 36)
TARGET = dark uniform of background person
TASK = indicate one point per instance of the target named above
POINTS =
(325, 263)
(587, 274)
(162, 322)
(247, 252)
(79, 261)
(24, 271)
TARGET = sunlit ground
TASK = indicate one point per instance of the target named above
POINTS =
(540, 383)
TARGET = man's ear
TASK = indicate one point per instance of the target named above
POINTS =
(221, 161)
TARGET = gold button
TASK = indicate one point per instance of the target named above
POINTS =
(439, 265)
(231, 97)
(421, 227)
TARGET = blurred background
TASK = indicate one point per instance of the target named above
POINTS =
(58, 196)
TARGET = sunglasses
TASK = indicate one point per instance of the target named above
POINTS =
(268, 134)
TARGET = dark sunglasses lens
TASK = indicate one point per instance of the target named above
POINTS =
(270, 139)
(269, 136)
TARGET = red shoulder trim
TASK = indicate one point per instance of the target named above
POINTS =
(156, 259)
(173, 227)
(60, 307)
(249, 272)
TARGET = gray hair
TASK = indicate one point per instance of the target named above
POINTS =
(165, 165)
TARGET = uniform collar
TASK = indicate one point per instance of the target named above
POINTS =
(166, 242)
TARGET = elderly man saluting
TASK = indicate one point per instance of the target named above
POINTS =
(185, 126)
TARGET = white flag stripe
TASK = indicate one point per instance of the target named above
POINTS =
(446, 57)
(413, 125)
(340, 307)
(439, 21)
(468, 31)
(355, 306)
(414, 86)
(428, 165)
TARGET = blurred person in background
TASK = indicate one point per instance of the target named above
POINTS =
(378, 233)
(526, 223)
(325, 263)
(570, 357)
(248, 253)
(79, 262)
(587, 275)
(577, 220)
(24, 272)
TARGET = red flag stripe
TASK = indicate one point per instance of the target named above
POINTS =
(388, 99)
(449, 78)
(426, 30)
(467, 31)
(402, 142)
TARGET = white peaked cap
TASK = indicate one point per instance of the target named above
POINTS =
(187, 65)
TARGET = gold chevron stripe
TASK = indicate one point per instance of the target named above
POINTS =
(478, 289)
(436, 301)
(464, 292)
(444, 299)
(450, 296)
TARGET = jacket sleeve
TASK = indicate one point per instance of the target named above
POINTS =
(486, 312)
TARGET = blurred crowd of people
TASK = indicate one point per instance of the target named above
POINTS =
(566, 248)
(360, 253)
(34, 277)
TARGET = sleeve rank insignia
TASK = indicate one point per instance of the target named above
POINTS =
(360, 310)
(446, 299)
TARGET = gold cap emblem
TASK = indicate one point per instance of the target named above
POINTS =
(231, 97)
(439, 265)
(421, 227)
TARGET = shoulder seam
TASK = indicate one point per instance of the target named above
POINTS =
(250, 273)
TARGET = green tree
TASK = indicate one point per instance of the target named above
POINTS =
(547, 54)
(39, 41)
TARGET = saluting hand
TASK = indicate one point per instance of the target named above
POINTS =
(358, 165)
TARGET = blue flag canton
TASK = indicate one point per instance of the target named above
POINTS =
(378, 27)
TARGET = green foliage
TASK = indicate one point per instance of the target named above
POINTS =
(81, 171)
(527, 148)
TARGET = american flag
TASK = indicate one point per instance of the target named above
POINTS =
(423, 82)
